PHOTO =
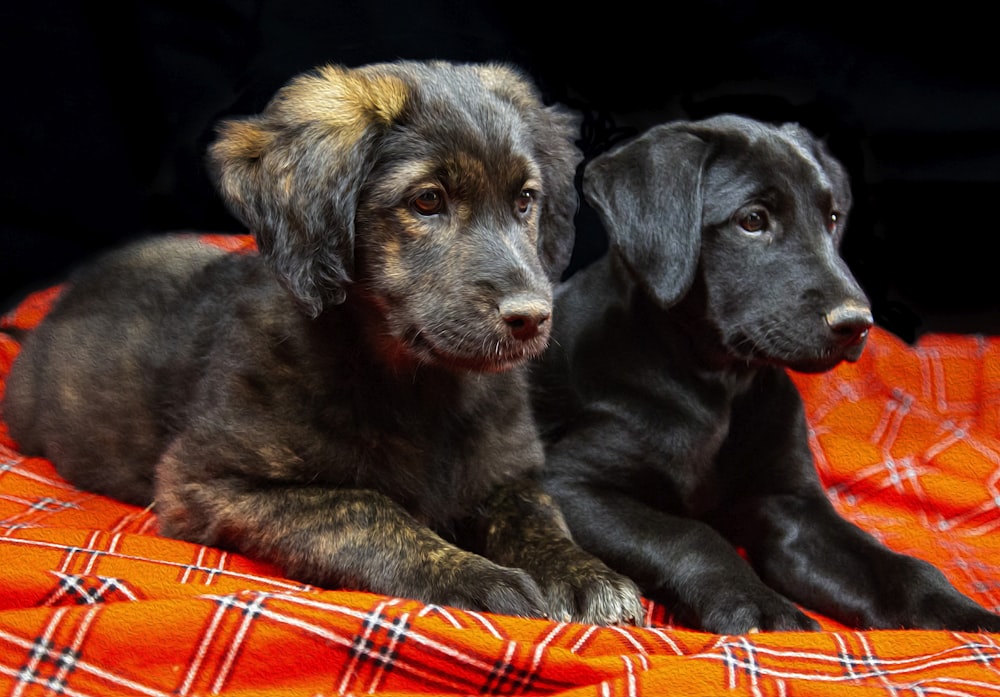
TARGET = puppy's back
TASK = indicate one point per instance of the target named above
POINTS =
(91, 372)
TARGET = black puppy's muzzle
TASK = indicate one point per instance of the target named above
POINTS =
(849, 324)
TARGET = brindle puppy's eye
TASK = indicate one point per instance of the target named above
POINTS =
(754, 222)
(428, 202)
(525, 200)
(832, 222)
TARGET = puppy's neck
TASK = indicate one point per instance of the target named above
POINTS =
(684, 332)
(378, 351)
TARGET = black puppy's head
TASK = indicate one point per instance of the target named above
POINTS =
(751, 214)
(441, 193)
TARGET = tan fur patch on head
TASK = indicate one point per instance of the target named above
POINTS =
(343, 99)
(392, 254)
(504, 81)
(239, 143)
(240, 139)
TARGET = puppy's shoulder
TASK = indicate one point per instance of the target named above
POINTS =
(238, 292)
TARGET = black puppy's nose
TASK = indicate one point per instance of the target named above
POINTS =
(525, 317)
(850, 322)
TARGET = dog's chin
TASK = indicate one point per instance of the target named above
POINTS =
(830, 358)
(818, 365)
(506, 356)
(804, 360)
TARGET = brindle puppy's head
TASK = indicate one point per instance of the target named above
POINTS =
(440, 196)
(747, 218)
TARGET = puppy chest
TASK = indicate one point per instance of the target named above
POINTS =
(434, 482)
(436, 465)
(677, 462)
(434, 441)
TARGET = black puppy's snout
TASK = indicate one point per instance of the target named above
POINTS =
(850, 322)
(525, 316)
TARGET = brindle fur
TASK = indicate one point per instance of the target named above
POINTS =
(351, 403)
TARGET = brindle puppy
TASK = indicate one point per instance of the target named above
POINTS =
(351, 404)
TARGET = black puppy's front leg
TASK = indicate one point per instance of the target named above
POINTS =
(680, 562)
(802, 547)
(522, 527)
(338, 538)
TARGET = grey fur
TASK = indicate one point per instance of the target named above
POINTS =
(351, 404)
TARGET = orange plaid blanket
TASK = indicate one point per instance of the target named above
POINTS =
(94, 602)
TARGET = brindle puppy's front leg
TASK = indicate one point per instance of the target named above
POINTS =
(342, 538)
(524, 528)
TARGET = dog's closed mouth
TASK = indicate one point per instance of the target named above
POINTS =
(821, 363)
(852, 353)
(504, 354)
(803, 359)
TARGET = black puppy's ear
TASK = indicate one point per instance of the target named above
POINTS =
(554, 131)
(293, 174)
(647, 194)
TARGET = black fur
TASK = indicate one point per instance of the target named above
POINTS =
(674, 435)
(351, 404)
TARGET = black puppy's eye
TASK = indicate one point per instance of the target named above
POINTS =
(525, 200)
(754, 222)
(428, 202)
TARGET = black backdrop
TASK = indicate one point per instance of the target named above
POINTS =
(107, 108)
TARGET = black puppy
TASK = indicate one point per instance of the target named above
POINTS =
(674, 435)
(350, 404)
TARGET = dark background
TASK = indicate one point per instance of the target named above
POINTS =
(108, 107)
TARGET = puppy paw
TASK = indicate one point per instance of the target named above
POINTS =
(966, 619)
(591, 593)
(484, 586)
(731, 612)
(976, 620)
(919, 596)
(943, 609)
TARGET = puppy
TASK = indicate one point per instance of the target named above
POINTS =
(351, 404)
(674, 435)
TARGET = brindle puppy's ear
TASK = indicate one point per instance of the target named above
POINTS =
(647, 194)
(554, 131)
(293, 174)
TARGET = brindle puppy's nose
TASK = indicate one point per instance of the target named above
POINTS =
(525, 316)
(850, 322)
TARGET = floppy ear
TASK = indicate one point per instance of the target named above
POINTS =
(554, 131)
(293, 174)
(559, 158)
(647, 194)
